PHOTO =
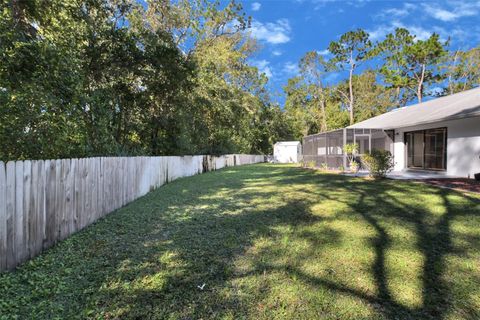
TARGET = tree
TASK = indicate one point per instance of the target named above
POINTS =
(353, 48)
(271, 126)
(372, 97)
(410, 64)
(423, 57)
(462, 70)
(39, 76)
(110, 77)
(195, 22)
(228, 93)
(313, 68)
(301, 112)
(394, 68)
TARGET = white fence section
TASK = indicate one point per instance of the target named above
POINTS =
(44, 201)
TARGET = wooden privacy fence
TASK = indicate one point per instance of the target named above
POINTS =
(44, 201)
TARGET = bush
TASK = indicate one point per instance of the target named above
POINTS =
(378, 162)
(350, 149)
(311, 164)
(354, 166)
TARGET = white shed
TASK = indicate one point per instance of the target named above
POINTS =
(287, 152)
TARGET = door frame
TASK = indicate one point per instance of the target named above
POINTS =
(369, 135)
(423, 160)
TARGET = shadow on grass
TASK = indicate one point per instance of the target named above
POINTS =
(434, 241)
(172, 253)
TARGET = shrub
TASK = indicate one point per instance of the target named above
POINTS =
(354, 166)
(378, 162)
(324, 166)
(311, 164)
(350, 149)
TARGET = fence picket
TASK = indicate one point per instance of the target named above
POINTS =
(51, 211)
(42, 202)
(3, 217)
(10, 202)
(27, 187)
(41, 206)
(20, 247)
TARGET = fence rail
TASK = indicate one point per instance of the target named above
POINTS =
(45, 201)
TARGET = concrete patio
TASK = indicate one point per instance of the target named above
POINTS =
(409, 175)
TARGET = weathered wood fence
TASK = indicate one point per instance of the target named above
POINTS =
(45, 201)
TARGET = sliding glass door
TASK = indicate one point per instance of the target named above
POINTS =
(414, 149)
(427, 149)
(435, 149)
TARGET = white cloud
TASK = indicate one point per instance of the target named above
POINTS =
(318, 4)
(447, 12)
(256, 6)
(440, 14)
(290, 68)
(446, 18)
(268, 72)
(263, 66)
(379, 32)
(419, 32)
(400, 12)
(459, 10)
(272, 32)
(436, 90)
(277, 52)
(358, 3)
(323, 52)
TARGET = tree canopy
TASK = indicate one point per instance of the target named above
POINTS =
(123, 77)
(375, 77)
(120, 77)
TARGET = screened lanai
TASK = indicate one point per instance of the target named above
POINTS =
(327, 147)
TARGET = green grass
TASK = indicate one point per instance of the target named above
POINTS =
(268, 242)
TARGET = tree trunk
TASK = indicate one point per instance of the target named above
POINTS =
(450, 74)
(420, 85)
(323, 126)
(324, 116)
(20, 20)
(350, 88)
(397, 90)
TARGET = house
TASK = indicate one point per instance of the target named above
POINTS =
(287, 151)
(441, 135)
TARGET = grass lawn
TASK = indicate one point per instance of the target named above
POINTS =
(262, 242)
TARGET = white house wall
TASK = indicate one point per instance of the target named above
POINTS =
(463, 145)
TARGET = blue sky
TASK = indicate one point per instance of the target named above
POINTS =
(287, 29)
